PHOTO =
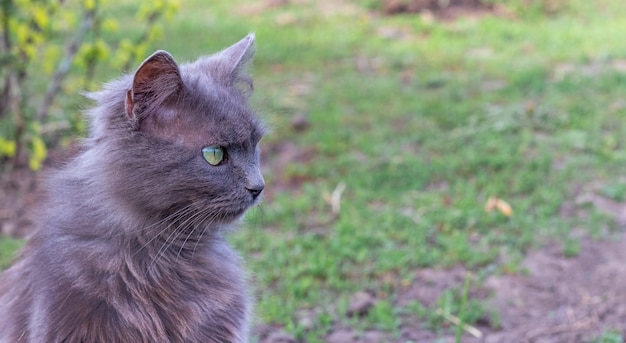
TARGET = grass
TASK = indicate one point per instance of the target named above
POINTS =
(8, 246)
(609, 337)
(423, 121)
(423, 129)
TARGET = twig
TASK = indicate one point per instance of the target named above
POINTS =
(66, 63)
(335, 197)
(457, 321)
(51, 128)
(5, 48)
(585, 324)
(14, 105)
(152, 18)
(334, 200)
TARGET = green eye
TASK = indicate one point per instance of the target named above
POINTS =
(213, 154)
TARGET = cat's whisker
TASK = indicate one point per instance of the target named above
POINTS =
(176, 232)
(199, 219)
(157, 224)
(178, 213)
(173, 217)
(207, 222)
(173, 221)
(257, 222)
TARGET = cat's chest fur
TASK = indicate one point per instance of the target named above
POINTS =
(157, 298)
(129, 247)
(135, 298)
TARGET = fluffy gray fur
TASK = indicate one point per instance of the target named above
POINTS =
(130, 247)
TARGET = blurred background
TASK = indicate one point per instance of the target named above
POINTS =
(437, 171)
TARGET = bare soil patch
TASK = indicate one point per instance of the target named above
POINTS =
(448, 10)
(18, 197)
(559, 300)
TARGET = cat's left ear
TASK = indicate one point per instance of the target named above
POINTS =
(156, 81)
(230, 65)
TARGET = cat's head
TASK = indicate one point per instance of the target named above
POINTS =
(182, 138)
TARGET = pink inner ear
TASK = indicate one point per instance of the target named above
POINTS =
(130, 104)
(158, 72)
(156, 82)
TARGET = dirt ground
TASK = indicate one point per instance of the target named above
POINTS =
(18, 197)
(447, 10)
(559, 300)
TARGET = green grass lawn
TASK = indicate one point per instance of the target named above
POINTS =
(422, 121)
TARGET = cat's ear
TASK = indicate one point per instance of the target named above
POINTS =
(230, 65)
(156, 81)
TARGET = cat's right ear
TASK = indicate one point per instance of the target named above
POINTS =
(156, 81)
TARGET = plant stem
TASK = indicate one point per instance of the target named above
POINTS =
(65, 64)
(459, 329)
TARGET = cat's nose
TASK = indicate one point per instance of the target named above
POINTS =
(256, 190)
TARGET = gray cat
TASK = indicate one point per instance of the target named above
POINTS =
(130, 247)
